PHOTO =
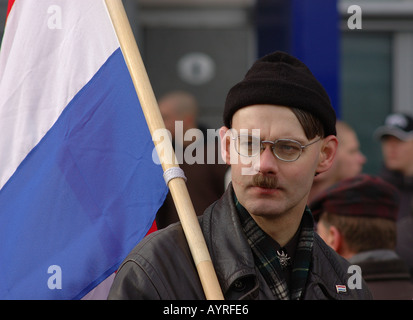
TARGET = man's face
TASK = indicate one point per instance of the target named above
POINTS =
(398, 154)
(349, 158)
(278, 187)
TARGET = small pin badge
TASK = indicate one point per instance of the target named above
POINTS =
(284, 259)
(341, 288)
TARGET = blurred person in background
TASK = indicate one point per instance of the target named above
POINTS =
(396, 137)
(357, 218)
(205, 181)
(348, 162)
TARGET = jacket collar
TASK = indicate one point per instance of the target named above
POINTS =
(229, 249)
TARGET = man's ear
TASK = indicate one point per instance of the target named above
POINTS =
(335, 239)
(224, 134)
(327, 153)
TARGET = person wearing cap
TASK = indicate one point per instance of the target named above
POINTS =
(396, 137)
(357, 218)
(278, 133)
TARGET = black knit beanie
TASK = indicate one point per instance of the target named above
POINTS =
(280, 79)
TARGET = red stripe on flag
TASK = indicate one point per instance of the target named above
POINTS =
(11, 2)
(153, 228)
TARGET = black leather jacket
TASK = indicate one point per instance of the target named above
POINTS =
(161, 266)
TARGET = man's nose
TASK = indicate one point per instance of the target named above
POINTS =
(267, 162)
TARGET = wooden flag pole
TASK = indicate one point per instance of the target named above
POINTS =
(155, 122)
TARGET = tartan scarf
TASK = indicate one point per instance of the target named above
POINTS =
(266, 259)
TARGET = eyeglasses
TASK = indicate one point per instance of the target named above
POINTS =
(284, 149)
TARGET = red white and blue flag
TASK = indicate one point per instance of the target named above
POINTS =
(341, 288)
(78, 186)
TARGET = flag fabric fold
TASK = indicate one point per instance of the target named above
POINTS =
(78, 186)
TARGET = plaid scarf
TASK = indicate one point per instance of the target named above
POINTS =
(266, 259)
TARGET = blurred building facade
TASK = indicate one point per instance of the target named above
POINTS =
(206, 46)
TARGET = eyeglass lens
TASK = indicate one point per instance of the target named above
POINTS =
(250, 146)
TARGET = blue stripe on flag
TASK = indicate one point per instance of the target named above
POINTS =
(84, 196)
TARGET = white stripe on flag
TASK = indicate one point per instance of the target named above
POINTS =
(40, 73)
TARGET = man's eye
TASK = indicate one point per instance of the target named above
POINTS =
(288, 147)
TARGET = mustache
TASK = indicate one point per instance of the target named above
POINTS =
(262, 181)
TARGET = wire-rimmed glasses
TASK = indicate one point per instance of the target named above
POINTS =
(284, 149)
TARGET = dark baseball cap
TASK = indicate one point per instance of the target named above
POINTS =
(399, 125)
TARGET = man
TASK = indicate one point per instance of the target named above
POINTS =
(279, 132)
(205, 181)
(348, 162)
(357, 218)
(396, 137)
